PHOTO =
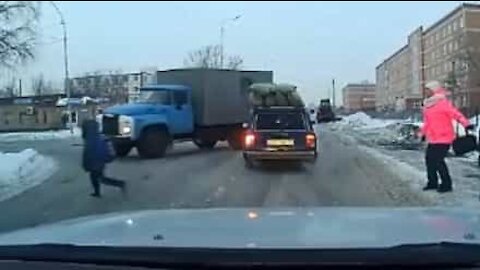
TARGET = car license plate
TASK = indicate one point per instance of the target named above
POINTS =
(280, 142)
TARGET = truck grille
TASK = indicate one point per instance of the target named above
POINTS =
(110, 125)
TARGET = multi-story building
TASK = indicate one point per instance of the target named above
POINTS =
(119, 88)
(359, 97)
(447, 51)
(398, 78)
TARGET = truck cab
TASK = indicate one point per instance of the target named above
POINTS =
(161, 114)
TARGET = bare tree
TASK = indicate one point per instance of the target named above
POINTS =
(234, 62)
(210, 57)
(38, 85)
(17, 31)
(10, 88)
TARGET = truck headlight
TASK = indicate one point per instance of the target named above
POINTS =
(126, 130)
(125, 125)
(99, 119)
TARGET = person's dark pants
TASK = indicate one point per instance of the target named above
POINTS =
(97, 178)
(435, 161)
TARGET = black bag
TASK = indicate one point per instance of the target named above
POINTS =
(464, 144)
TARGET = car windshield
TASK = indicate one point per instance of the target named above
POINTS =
(240, 124)
(281, 121)
(158, 97)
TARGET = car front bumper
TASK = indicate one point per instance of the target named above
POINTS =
(281, 155)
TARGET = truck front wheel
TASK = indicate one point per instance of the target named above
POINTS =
(153, 143)
(204, 144)
(122, 149)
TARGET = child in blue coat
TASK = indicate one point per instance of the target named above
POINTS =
(95, 157)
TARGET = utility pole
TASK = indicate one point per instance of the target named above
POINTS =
(333, 94)
(65, 59)
(222, 34)
(222, 37)
(20, 87)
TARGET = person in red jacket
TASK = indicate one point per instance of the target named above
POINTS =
(438, 118)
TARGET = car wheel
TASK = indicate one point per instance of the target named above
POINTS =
(153, 143)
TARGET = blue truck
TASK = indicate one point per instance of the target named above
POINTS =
(202, 105)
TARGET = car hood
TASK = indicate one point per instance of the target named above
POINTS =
(135, 109)
(261, 228)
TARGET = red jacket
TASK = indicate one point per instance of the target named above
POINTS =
(438, 116)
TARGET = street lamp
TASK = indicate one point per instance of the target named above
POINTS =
(65, 57)
(222, 34)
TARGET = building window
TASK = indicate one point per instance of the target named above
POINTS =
(455, 45)
(455, 25)
(462, 23)
(450, 47)
(449, 29)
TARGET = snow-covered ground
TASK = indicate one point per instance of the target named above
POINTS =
(376, 137)
(41, 135)
(23, 170)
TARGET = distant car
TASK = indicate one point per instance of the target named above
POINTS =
(280, 133)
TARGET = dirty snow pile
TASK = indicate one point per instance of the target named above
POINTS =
(385, 132)
(39, 135)
(361, 120)
(23, 170)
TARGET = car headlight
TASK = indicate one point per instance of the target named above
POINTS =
(125, 125)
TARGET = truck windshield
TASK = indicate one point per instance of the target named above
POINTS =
(159, 97)
(283, 121)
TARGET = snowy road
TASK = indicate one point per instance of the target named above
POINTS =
(344, 175)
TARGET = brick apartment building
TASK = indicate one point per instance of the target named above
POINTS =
(447, 51)
(359, 97)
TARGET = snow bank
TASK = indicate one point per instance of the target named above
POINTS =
(23, 170)
(386, 132)
(39, 136)
(410, 167)
(362, 120)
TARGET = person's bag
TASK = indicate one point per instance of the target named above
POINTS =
(464, 144)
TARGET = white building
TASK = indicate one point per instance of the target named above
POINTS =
(119, 88)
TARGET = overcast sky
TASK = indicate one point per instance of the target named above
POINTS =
(304, 43)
